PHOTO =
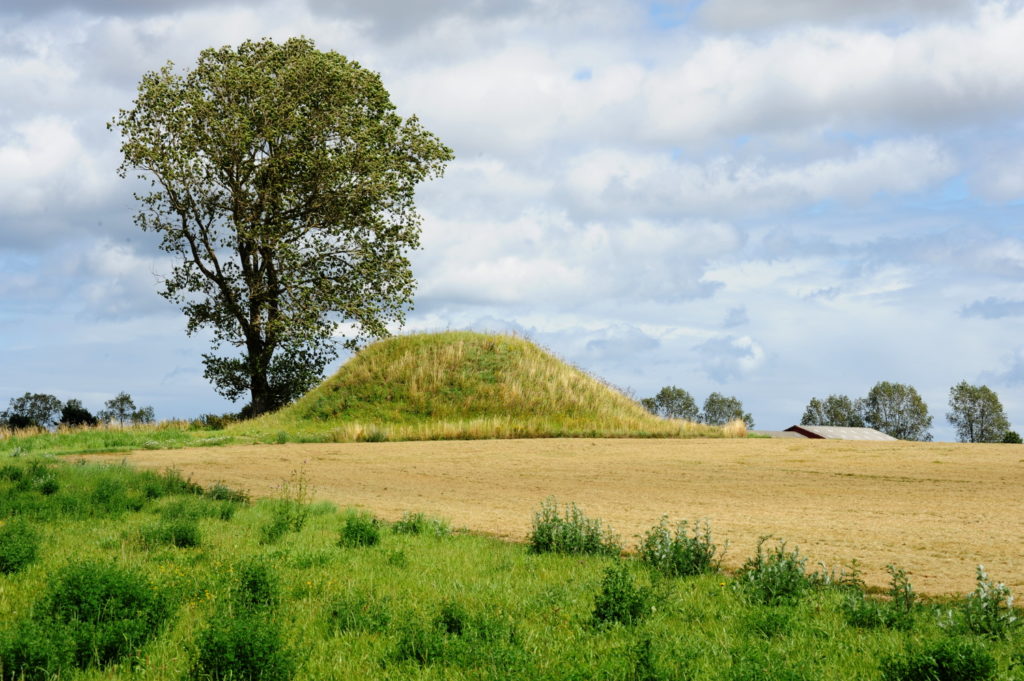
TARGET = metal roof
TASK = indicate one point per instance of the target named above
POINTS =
(839, 433)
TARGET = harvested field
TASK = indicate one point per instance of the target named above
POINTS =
(935, 509)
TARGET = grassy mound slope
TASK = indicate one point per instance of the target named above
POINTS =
(462, 385)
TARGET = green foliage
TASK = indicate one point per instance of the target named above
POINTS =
(420, 523)
(774, 577)
(32, 410)
(19, 545)
(222, 492)
(977, 413)
(359, 612)
(74, 414)
(680, 553)
(719, 410)
(289, 511)
(621, 599)
(571, 532)
(257, 586)
(946, 660)
(106, 611)
(834, 410)
(673, 403)
(284, 184)
(121, 408)
(359, 528)
(895, 613)
(988, 610)
(245, 647)
(1012, 437)
(34, 650)
(897, 409)
(181, 532)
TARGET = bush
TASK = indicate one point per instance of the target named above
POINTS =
(242, 648)
(775, 577)
(19, 544)
(359, 529)
(896, 613)
(180, 531)
(570, 533)
(680, 554)
(221, 492)
(947, 660)
(988, 611)
(109, 612)
(257, 587)
(1012, 437)
(620, 599)
(419, 523)
(34, 651)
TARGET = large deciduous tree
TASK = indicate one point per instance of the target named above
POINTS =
(897, 409)
(977, 413)
(834, 410)
(37, 410)
(282, 180)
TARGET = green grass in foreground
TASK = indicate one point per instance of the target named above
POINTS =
(204, 588)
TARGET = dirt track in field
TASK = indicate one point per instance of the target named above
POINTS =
(935, 509)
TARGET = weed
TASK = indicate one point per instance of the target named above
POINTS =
(678, 553)
(257, 586)
(572, 532)
(420, 523)
(775, 577)
(359, 612)
(768, 622)
(372, 435)
(107, 611)
(359, 529)
(946, 660)
(397, 558)
(221, 492)
(181, 532)
(896, 613)
(621, 599)
(35, 651)
(19, 544)
(988, 610)
(242, 648)
(288, 513)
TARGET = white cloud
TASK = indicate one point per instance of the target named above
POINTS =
(743, 14)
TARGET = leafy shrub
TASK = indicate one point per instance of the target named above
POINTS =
(182, 532)
(242, 648)
(679, 554)
(359, 529)
(359, 612)
(947, 660)
(19, 544)
(620, 598)
(454, 636)
(221, 492)
(288, 513)
(988, 610)
(34, 651)
(774, 577)
(419, 523)
(572, 532)
(107, 611)
(257, 586)
(896, 613)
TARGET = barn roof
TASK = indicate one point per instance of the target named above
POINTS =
(839, 433)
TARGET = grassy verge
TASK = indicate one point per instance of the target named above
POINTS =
(210, 585)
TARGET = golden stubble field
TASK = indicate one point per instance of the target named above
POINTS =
(935, 509)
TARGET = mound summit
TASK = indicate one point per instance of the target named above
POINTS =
(465, 384)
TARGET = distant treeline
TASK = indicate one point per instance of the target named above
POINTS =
(39, 410)
(892, 408)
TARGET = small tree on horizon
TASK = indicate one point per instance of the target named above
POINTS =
(672, 403)
(38, 410)
(897, 410)
(834, 410)
(977, 413)
(74, 414)
(719, 410)
(122, 409)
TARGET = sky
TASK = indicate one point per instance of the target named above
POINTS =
(775, 201)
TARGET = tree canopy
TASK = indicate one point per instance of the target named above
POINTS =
(834, 410)
(977, 413)
(32, 410)
(121, 408)
(282, 182)
(719, 410)
(673, 403)
(897, 409)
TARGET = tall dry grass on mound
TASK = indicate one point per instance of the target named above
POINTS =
(465, 385)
